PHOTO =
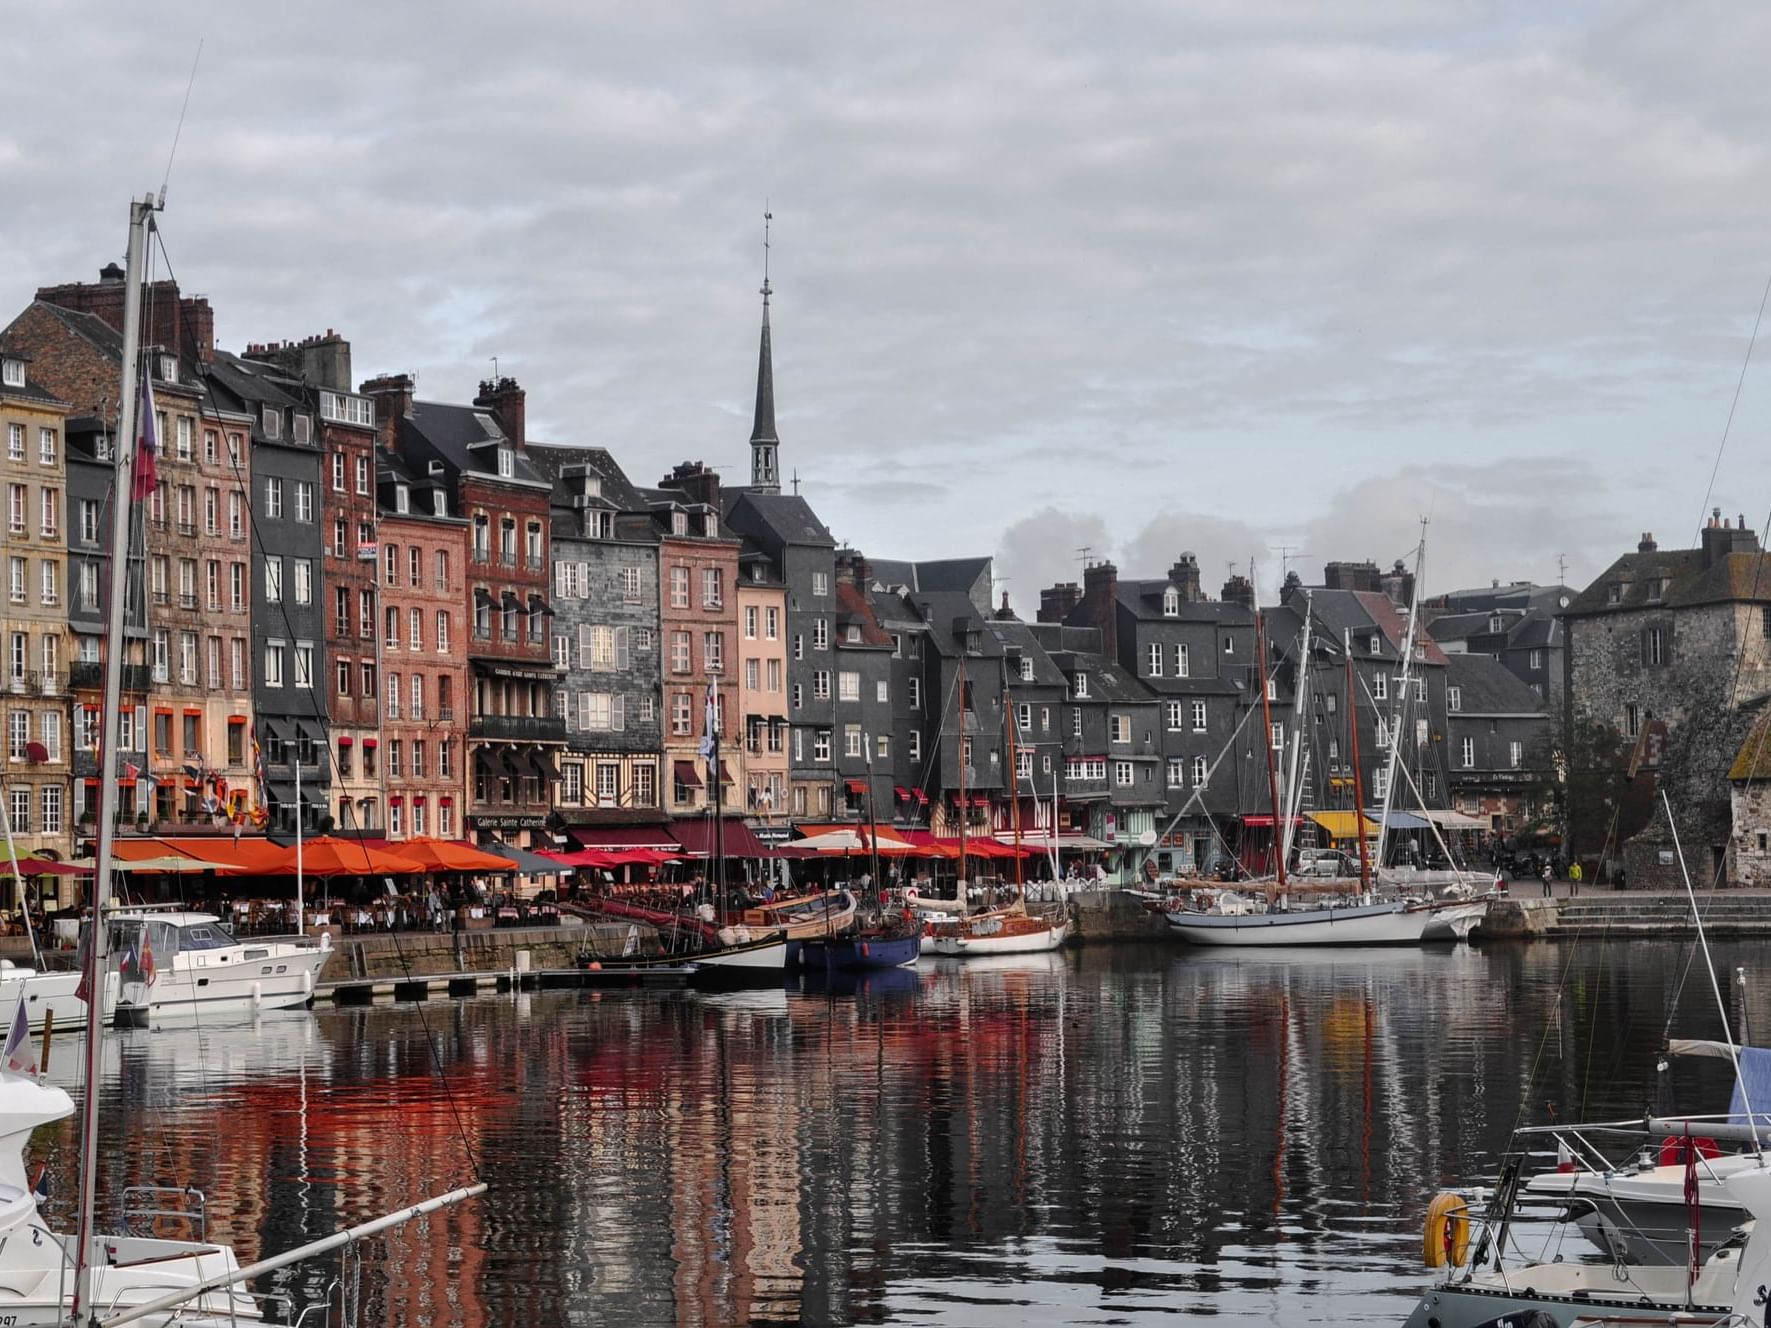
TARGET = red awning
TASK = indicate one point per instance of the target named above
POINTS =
(345, 740)
(725, 773)
(920, 796)
(617, 837)
(696, 834)
(1266, 818)
(857, 785)
(902, 793)
(371, 742)
(686, 775)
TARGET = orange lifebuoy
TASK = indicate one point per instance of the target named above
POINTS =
(1445, 1239)
(1676, 1147)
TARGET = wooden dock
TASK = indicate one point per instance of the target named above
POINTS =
(420, 987)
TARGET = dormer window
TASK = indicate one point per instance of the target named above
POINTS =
(1454, 698)
(710, 525)
(272, 421)
(1080, 686)
(439, 503)
(402, 499)
(679, 523)
(1614, 592)
(1026, 668)
(1497, 624)
(301, 429)
(1656, 587)
(169, 368)
(598, 524)
(12, 373)
(852, 635)
(507, 463)
(1171, 603)
(593, 487)
(1376, 644)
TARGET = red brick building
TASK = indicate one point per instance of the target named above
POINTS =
(477, 454)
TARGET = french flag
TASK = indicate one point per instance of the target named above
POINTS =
(147, 478)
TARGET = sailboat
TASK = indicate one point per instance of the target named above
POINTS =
(1365, 919)
(87, 1279)
(1011, 929)
(882, 940)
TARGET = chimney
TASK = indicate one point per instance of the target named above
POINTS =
(1646, 544)
(110, 274)
(1100, 604)
(1056, 603)
(1398, 585)
(506, 400)
(1721, 538)
(392, 394)
(696, 482)
(1005, 614)
(1184, 577)
(197, 323)
(1351, 576)
(103, 299)
(1238, 590)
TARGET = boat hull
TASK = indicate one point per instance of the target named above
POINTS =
(754, 963)
(961, 945)
(1484, 1307)
(47, 994)
(1363, 924)
(862, 952)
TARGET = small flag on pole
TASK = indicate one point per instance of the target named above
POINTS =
(147, 476)
(20, 1056)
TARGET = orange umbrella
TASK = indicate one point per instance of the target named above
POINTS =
(451, 855)
(331, 856)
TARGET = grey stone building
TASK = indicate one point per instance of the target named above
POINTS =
(1037, 689)
(914, 717)
(288, 630)
(1667, 649)
(864, 708)
(605, 640)
(1518, 625)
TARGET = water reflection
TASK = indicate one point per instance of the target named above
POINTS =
(1109, 1137)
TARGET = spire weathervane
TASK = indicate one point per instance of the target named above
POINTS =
(765, 469)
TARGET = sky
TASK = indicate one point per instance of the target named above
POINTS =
(1265, 282)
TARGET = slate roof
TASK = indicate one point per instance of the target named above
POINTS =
(91, 327)
(253, 383)
(1488, 687)
(1145, 599)
(32, 392)
(1739, 577)
(940, 608)
(1358, 612)
(1017, 637)
(466, 437)
(931, 575)
(551, 461)
(780, 518)
(852, 607)
(1462, 626)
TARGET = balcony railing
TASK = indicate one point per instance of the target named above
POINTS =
(518, 728)
(90, 677)
(445, 714)
(186, 601)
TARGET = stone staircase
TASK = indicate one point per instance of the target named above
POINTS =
(1622, 915)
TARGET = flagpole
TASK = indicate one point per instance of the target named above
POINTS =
(299, 929)
(123, 501)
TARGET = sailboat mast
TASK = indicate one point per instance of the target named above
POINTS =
(872, 830)
(964, 814)
(1260, 649)
(1014, 775)
(1402, 685)
(1358, 769)
(1296, 773)
(97, 968)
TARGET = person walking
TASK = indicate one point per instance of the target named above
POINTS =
(1574, 875)
(1548, 873)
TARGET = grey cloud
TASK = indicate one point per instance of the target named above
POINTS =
(1042, 549)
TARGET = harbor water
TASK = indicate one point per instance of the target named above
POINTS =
(1118, 1135)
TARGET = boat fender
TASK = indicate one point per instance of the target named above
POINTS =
(1674, 1147)
(257, 994)
(1445, 1241)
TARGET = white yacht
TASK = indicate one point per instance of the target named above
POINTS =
(49, 994)
(174, 962)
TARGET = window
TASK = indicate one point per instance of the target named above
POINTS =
(1120, 726)
(273, 663)
(821, 745)
(304, 664)
(52, 809)
(362, 475)
(1154, 659)
(680, 649)
(772, 623)
(1383, 732)
(20, 813)
(1171, 603)
(820, 684)
(49, 582)
(273, 496)
(1654, 646)
(820, 634)
(679, 587)
(393, 696)
(1026, 668)
(915, 695)
(1276, 737)
(1467, 752)
(1075, 721)
(236, 515)
(507, 464)
(711, 597)
(851, 740)
(1420, 689)
(187, 658)
(1454, 698)
(1199, 717)
(1535, 660)
(1124, 773)
(1632, 720)
(415, 629)
(799, 646)
(12, 374)
(1175, 715)
(750, 622)
(1380, 687)
(16, 579)
(774, 674)
(50, 512)
(915, 744)
(848, 686)
(304, 580)
(237, 587)
(820, 583)
(273, 580)
(1515, 754)
(1229, 645)
(1177, 772)
(442, 624)
(237, 663)
(304, 501)
(417, 703)
(1079, 685)
(161, 670)
(183, 437)
(713, 651)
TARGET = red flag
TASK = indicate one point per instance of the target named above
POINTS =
(147, 478)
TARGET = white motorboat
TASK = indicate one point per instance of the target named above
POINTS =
(1393, 922)
(177, 962)
(49, 997)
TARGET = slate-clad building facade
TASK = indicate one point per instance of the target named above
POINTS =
(605, 636)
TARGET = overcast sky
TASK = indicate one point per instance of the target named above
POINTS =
(1235, 278)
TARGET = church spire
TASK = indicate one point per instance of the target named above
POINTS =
(765, 470)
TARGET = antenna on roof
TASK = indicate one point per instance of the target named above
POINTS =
(795, 476)
(1083, 554)
(1286, 553)
(166, 179)
(494, 368)
(1561, 569)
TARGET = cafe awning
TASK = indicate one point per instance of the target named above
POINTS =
(856, 785)
(1400, 820)
(530, 864)
(687, 775)
(1450, 820)
(696, 834)
(1344, 825)
(618, 837)
(542, 764)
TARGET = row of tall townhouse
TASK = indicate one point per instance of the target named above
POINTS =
(373, 613)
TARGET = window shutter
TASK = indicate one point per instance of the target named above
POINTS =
(623, 650)
(583, 580)
(141, 726)
(584, 645)
(559, 580)
(618, 713)
(584, 711)
(563, 700)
